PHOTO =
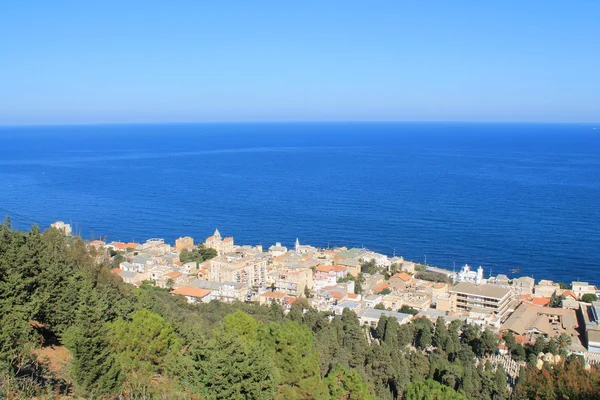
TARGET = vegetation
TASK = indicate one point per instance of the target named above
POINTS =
(556, 300)
(589, 297)
(132, 343)
(199, 254)
(369, 267)
(433, 277)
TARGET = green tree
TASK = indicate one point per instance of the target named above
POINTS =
(556, 300)
(95, 368)
(431, 390)
(297, 361)
(589, 297)
(146, 346)
(232, 368)
(345, 384)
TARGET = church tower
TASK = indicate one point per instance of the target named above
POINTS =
(297, 247)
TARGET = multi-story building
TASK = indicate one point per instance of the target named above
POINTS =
(251, 271)
(294, 281)
(222, 246)
(485, 298)
(581, 288)
(545, 288)
(184, 243)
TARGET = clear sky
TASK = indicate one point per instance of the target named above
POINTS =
(184, 61)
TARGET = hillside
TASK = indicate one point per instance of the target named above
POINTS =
(70, 328)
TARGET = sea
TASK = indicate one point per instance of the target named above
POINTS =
(509, 197)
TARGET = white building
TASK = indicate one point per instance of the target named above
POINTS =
(64, 228)
(277, 250)
(467, 275)
(371, 316)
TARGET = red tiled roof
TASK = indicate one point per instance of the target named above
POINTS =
(115, 270)
(228, 239)
(174, 275)
(403, 275)
(120, 245)
(541, 301)
(336, 294)
(382, 286)
(191, 291)
(131, 245)
(522, 339)
(329, 268)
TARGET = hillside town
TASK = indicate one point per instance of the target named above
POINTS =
(368, 283)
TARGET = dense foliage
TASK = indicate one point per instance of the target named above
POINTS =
(127, 342)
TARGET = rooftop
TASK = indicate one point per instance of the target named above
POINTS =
(191, 291)
(376, 314)
(491, 291)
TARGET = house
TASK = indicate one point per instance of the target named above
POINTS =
(129, 276)
(446, 302)
(435, 290)
(395, 301)
(155, 273)
(381, 260)
(176, 277)
(500, 279)
(277, 250)
(294, 281)
(155, 247)
(142, 262)
(524, 284)
(193, 294)
(190, 268)
(371, 316)
(581, 288)
(381, 287)
(400, 281)
(268, 298)
(545, 288)
(127, 266)
(186, 243)
(371, 281)
(227, 292)
(372, 300)
(351, 305)
(328, 275)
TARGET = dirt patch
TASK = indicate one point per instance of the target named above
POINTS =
(55, 358)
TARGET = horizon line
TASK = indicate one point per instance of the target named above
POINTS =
(248, 122)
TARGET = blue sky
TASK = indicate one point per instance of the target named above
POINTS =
(186, 61)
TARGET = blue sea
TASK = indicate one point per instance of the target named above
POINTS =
(502, 196)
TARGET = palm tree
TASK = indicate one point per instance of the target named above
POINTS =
(564, 340)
